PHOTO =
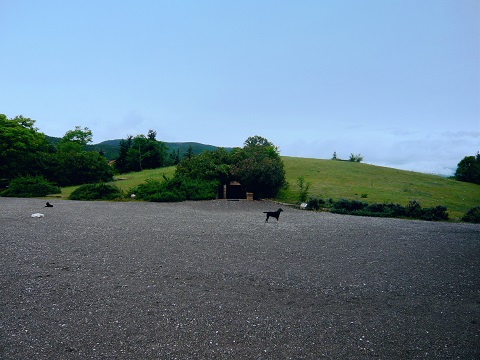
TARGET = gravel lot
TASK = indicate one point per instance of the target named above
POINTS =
(211, 279)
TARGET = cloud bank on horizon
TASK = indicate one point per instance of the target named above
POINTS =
(398, 82)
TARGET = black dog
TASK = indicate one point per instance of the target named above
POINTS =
(274, 214)
(48, 205)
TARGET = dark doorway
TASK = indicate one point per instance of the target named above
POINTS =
(234, 190)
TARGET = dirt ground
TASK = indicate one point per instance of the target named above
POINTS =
(213, 280)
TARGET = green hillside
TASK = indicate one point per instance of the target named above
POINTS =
(376, 184)
(349, 180)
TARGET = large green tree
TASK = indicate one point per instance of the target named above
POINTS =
(22, 147)
(26, 151)
(468, 169)
(258, 167)
(74, 165)
(141, 152)
(208, 165)
(78, 135)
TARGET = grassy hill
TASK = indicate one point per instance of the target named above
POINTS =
(349, 180)
(376, 184)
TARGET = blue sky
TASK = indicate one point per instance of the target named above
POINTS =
(395, 81)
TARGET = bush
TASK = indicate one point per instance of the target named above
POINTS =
(201, 189)
(355, 158)
(412, 210)
(376, 208)
(314, 203)
(176, 189)
(472, 215)
(30, 186)
(167, 196)
(434, 213)
(396, 210)
(100, 191)
(415, 211)
(348, 205)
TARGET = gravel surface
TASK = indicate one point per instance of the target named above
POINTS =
(134, 280)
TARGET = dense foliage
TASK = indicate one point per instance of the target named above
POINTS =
(24, 151)
(468, 169)
(30, 186)
(257, 166)
(99, 191)
(472, 215)
(177, 189)
(141, 152)
(413, 210)
(209, 165)
(22, 147)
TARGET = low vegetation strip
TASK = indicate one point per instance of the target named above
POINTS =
(413, 210)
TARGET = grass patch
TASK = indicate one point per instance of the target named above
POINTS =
(377, 184)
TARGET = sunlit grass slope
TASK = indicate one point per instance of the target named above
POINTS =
(376, 184)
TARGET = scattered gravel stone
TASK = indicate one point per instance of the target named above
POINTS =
(212, 279)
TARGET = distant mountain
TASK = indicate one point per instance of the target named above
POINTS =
(110, 147)
(53, 140)
(197, 148)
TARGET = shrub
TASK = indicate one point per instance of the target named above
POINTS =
(348, 205)
(412, 210)
(153, 190)
(434, 213)
(177, 189)
(100, 191)
(30, 186)
(472, 215)
(314, 203)
(201, 189)
(355, 158)
(396, 210)
(167, 196)
(415, 211)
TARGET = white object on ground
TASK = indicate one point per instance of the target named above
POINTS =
(37, 215)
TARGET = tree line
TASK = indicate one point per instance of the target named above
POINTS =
(26, 152)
